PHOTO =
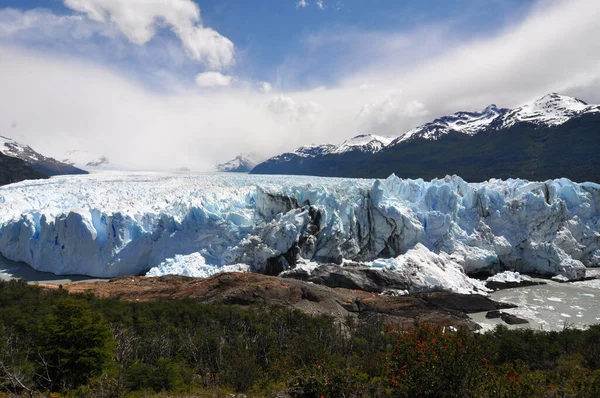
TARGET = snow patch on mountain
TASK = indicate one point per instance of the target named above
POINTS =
(10, 147)
(365, 143)
(368, 143)
(45, 165)
(550, 110)
(469, 123)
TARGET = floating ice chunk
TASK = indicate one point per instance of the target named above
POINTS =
(193, 265)
(508, 277)
(555, 299)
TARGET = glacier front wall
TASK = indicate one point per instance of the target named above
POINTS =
(117, 224)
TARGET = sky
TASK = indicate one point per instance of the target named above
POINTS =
(164, 84)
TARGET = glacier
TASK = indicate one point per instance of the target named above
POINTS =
(436, 233)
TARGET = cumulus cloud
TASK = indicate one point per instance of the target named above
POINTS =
(140, 19)
(301, 4)
(319, 4)
(213, 79)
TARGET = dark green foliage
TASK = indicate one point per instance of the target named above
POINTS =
(75, 344)
(84, 346)
(523, 150)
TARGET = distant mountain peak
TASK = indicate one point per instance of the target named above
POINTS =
(364, 143)
(242, 163)
(550, 110)
(45, 166)
(463, 122)
(85, 160)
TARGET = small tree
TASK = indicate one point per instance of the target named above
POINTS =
(77, 344)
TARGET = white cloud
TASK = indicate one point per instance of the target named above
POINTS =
(213, 79)
(553, 49)
(40, 23)
(265, 87)
(87, 106)
(301, 4)
(319, 4)
(139, 20)
(300, 112)
(383, 117)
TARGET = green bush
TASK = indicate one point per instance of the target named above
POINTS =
(80, 345)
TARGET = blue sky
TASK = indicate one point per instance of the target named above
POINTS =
(269, 34)
(189, 83)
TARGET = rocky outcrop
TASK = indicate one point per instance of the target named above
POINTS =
(445, 309)
(351, 276)
(507, 318)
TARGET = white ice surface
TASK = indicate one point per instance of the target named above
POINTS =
(508, 277)
(110, 224)
(193, 265)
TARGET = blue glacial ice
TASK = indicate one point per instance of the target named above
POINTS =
(114, 223)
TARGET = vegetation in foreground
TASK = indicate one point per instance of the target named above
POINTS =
(79, 345)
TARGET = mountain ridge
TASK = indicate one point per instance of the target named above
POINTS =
(20, 162)
(242, 163)
(497, 142)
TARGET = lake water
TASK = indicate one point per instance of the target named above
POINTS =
(552, 306)
(12, 270)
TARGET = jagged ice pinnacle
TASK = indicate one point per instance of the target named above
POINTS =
(111, 224)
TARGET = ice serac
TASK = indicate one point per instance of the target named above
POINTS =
(110, 224)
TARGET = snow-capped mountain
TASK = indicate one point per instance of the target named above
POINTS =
(368, 143)
(469, 123)
(10, 147)
(365, 143)
(85, 160)
(445, 145)
(550, 110)
(242, 163)
(45, 166)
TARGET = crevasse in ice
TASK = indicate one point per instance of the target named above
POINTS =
(111, 224)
